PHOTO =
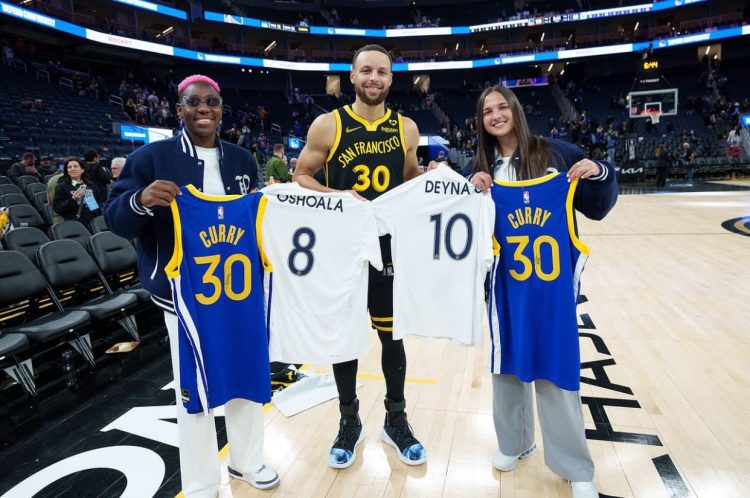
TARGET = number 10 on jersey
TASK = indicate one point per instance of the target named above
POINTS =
(447, 237)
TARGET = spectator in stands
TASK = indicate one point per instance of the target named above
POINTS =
(99, 176)
(8, 55)
(687, 160)
(75, 197)
(116, 166)
(662, 165)
(27, 103)
(610, 139)
(276, 165)
(45, 166)
(734, 139)
(51, 186)
(508, 151)
(39, 105)
(292, 165)
(139, 207)
(27, 166)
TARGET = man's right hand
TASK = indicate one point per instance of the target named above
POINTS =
(159, 193)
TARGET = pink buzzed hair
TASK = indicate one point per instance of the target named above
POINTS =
(197, 78)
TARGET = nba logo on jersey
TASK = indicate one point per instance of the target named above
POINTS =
(220, 212)
(526, 196)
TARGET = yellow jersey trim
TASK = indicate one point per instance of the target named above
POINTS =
(210, 197)
(381, 318)
(384, 329)
(571, 225)
(259, 233)
(172, 268)
(495, 246)
(401, 133)
(336, 141)
(369, 126)
(527, 183)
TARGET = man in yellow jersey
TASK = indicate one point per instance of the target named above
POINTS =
(367, 150)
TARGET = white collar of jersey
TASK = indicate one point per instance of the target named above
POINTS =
(189, 148)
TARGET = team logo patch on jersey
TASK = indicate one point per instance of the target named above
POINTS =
(393, 122)
(738, 225)
(388, 129)
(220, 212)
(526, 197)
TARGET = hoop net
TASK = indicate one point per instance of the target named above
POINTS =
(653, 114)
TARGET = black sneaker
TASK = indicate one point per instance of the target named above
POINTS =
(351, 433)
(398, 433)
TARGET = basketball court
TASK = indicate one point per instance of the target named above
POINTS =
(665, 385)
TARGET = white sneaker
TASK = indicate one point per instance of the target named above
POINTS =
(584, 490)
(263, 478)
(507, 463)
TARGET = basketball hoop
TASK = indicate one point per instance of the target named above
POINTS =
(654, 115)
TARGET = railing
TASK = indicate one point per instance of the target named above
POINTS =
(42, 74)
(66, 83)
(275, 129)
(115, 100)
(227, 109)
(19, 64)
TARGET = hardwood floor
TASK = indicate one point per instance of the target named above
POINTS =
(665, 340)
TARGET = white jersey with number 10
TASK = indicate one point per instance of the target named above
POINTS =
(441, 230)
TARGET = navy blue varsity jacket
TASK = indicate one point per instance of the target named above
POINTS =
(173, 159)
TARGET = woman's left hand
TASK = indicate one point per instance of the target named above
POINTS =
(584, 168)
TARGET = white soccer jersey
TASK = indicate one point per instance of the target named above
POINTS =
(441, 230)
(319, 246)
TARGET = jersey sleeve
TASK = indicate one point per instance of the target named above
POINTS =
(384, 213)
(486, 241)
(370, 240)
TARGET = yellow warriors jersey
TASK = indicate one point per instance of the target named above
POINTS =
(366, 156)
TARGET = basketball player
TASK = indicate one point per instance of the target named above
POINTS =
(138, 208)
(508, 151)
(367, 150)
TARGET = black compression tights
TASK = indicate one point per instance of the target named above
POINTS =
(393, 361)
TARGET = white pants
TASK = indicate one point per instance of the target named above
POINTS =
(566, 452)
(200, 468)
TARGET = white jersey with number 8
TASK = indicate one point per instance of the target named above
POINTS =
(319, 246)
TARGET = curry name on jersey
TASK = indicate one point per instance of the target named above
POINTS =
(366, 156)
(216, 276)
(535, 281)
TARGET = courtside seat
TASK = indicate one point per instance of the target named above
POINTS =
(25, 240)
(68, 266)
(33, 188)
(24, 215)
(9, 188)
(39, 201)
(12, 346)
(70, 230)
(24, 181)
(117, 260)
(98, 225)
(24, 298)
(8, 200)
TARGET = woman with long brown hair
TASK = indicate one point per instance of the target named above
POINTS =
(525, 349)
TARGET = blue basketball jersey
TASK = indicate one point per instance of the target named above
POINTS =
(535, 281)
(217, 288)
